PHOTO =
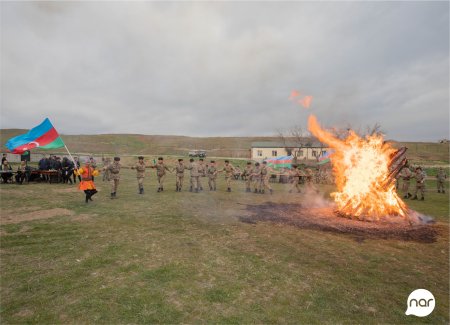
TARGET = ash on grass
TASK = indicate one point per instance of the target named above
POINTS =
(323, 218)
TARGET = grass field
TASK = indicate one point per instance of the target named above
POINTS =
(186, 258)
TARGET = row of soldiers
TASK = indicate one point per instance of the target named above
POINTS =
(256, 175)
(419, 175)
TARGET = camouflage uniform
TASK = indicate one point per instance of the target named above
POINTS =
(295, 173)
(265, 179)
(256, 178)
(229, 174)
(161, 174)
(248, 178)
(114, 176)
(406, 175)
(420, 184)
(195, 175)
(441, 176)
(179, 170)
(140, 170)
(212, 176)
(202, 173)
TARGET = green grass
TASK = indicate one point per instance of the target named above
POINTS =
(185, 258)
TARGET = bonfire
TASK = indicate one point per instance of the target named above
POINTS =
(365, 170)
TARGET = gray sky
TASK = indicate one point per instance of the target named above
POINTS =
(225, 69)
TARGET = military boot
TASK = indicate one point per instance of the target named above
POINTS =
(190, 189)
(229, 190)
(159, 189)
(422, 199)
(439, 191)
(256, 191)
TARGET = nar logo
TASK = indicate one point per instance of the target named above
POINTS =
(421, 303)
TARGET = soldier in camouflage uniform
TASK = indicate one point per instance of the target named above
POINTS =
(140, 170)
(161, 173)
(295, 174)
(256, 178)
(248, 180)
(114, 176)
(229, 174)
(106, 162)
(406, 176)
(420, 183)
(265, 178)
(212, 175)
(195, 175)
(179, 170)
(441, 176)
(202, 172)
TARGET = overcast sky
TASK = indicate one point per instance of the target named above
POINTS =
(225, 69)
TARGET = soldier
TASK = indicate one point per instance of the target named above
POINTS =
(114, 177)
(441, 176)
(106, 175)
(265, 178)
(87, 184)
(229, 174)
(195, 175)
(179, 170)
(309, 177)
(406, 175)
(295, 174)
(202, 171)
(246, 175)
(420, 183)
(140, 170)
(256, 178)
(161, 173)
(212, 175)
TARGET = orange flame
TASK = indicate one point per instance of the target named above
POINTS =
(305, 101)
(361, 168)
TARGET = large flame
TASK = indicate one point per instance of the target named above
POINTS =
(365, 189)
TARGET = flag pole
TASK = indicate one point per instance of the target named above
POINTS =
(75, 166)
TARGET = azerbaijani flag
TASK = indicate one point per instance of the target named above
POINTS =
(43, 136)
(280, 162)
(325, 158)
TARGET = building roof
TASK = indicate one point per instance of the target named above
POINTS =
(288, 144)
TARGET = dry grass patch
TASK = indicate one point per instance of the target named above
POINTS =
(7, 217)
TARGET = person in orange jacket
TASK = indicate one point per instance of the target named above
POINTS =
(87, 172)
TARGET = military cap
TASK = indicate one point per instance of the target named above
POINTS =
(212, 161)
(191, 160)
(227, 161)
(294, 166)
(257, 164)
(180, 159)
(160, 158)
(140, 157)
(116, 158)
(249, 162)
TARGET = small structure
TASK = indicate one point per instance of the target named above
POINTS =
(270, 150)
(197, 153)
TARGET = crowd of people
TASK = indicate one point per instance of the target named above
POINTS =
(256, 176)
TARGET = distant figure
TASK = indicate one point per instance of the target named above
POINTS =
(441, 177)
(202, 173)
(87, 184)
(106, 175)
(76, 166)
(5, 168)
(4, 157)
(246, 176)
(295, 174)
(179, 174)
(114, 170)
(420, 183)
(256, 178)
(406, 176)
(229, 174)
(212, 175)
(140, 170)
(67, 170)
(265, 178)
(193, 168)
(161, 169)
(21, 172)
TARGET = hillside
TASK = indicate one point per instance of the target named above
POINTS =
(236, 147)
